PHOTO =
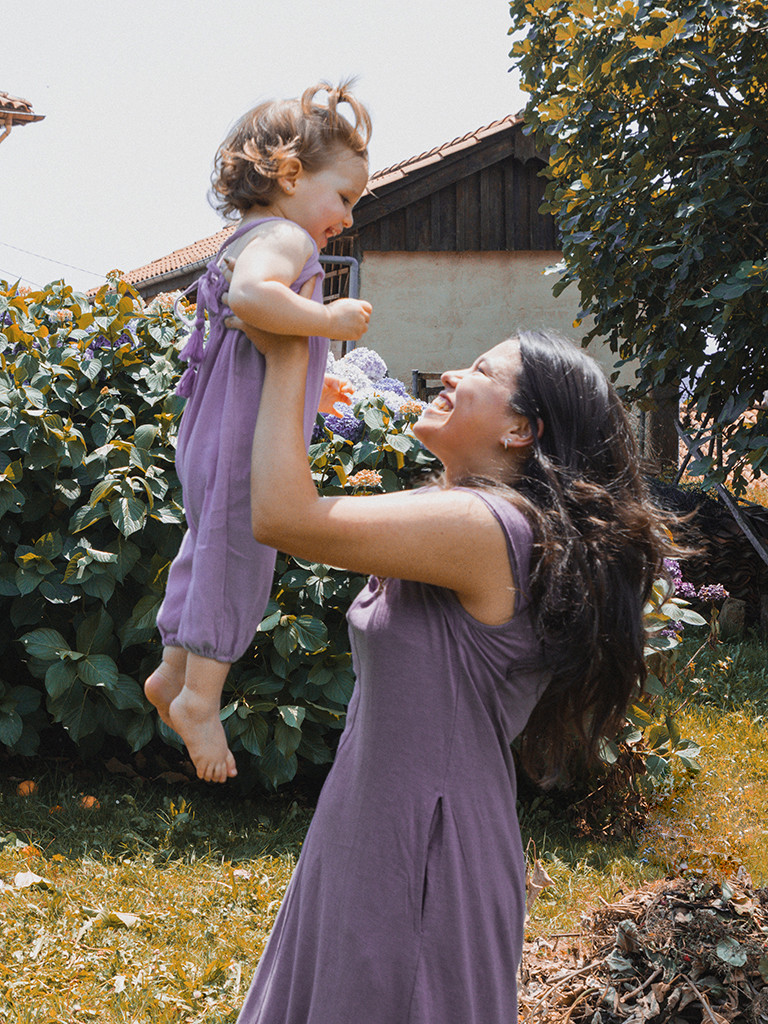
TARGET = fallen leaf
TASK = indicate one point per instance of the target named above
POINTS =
(535, 883)
(90, 803)
(172, 777)
(118, 768)
(25, 879)
(119, 982)
(26, 788)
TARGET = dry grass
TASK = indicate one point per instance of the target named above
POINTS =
(126, 941)
(143, 910)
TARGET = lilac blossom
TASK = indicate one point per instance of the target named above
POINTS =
(686, 589)
(712, 592)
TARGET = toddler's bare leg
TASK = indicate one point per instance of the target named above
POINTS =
(194, 714)
(166, 681)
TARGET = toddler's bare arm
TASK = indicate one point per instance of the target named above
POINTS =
(260, 292)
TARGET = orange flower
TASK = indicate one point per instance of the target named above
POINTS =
(365, 478)
(26, 788)
(90, 803)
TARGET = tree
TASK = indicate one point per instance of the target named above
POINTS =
(656, 117)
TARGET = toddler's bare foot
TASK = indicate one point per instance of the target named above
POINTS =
(163, 686)
(199, 725)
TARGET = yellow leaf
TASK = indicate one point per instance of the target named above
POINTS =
(340, 473)
(646, 42)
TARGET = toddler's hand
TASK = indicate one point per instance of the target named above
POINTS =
(335, 389)
(349, 319)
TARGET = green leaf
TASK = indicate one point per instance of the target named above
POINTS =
(292, 715)
(128, 514)
(45, 644)
(85, 517)
(94, 633)
(127, 694)
(11, 728)
(98, 670)
(144, 436)
(287, 739)
(731, 952)
(142, 624)
(311, 633)
(255, 735)
(59, 678)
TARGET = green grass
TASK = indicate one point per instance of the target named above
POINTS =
(154, 906)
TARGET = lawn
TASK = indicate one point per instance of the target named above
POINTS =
(124, 899)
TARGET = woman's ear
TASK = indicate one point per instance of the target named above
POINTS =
(288, 173)
(520, 433)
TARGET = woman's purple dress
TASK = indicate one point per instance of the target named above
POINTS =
(407, 904)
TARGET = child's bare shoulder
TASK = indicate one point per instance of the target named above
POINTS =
(279, 235)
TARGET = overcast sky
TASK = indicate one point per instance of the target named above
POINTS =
(137, 97)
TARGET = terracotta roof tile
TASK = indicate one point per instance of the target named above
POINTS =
(20, 110)
(199, 253)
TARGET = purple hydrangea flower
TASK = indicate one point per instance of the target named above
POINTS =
(365, 359)
(686, 589)
(392, 384)
(347, 425)
(318, 432)
(712, 592)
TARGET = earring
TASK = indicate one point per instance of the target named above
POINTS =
(506, 442)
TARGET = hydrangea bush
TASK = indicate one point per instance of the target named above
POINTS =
(91, 517)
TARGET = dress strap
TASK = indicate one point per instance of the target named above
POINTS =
(211, 286)
(517, 533)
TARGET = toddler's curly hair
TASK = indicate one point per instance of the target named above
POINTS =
(249, 160)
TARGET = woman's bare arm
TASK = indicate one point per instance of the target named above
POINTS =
(444, 537)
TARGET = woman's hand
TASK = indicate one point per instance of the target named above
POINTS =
(335, 390)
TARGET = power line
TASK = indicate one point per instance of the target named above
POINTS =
(18, 277)
(49, 260)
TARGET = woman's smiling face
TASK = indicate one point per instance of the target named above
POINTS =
(466, 424)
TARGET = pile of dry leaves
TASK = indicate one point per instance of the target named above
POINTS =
(680, 951)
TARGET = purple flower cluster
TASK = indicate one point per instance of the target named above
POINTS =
(392, 384)
(365, 359)
(707, 592)
(347, 425)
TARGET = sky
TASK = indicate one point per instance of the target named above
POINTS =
(138, 96)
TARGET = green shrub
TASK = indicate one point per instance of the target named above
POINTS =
(91, 518)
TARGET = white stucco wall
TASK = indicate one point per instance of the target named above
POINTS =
(437, 311)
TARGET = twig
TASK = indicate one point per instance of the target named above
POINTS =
(648, 981)
(580, 999)
(705, 1004)
(560, 983)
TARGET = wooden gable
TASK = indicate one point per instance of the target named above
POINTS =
(479, 193)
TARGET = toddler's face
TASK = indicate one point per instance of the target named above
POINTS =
(321, 201)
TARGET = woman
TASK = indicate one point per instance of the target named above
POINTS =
(509, 593)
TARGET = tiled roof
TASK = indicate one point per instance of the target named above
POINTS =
(199, 253)
(188, 258)
(18, 110)
(433, 156)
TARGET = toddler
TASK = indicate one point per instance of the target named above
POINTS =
(292, 170)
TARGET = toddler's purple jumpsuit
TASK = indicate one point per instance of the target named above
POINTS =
(220, 581)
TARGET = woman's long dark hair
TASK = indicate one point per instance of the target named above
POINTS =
(599, 545)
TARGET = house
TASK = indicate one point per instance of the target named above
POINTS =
(15, 111)
(451, 252)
